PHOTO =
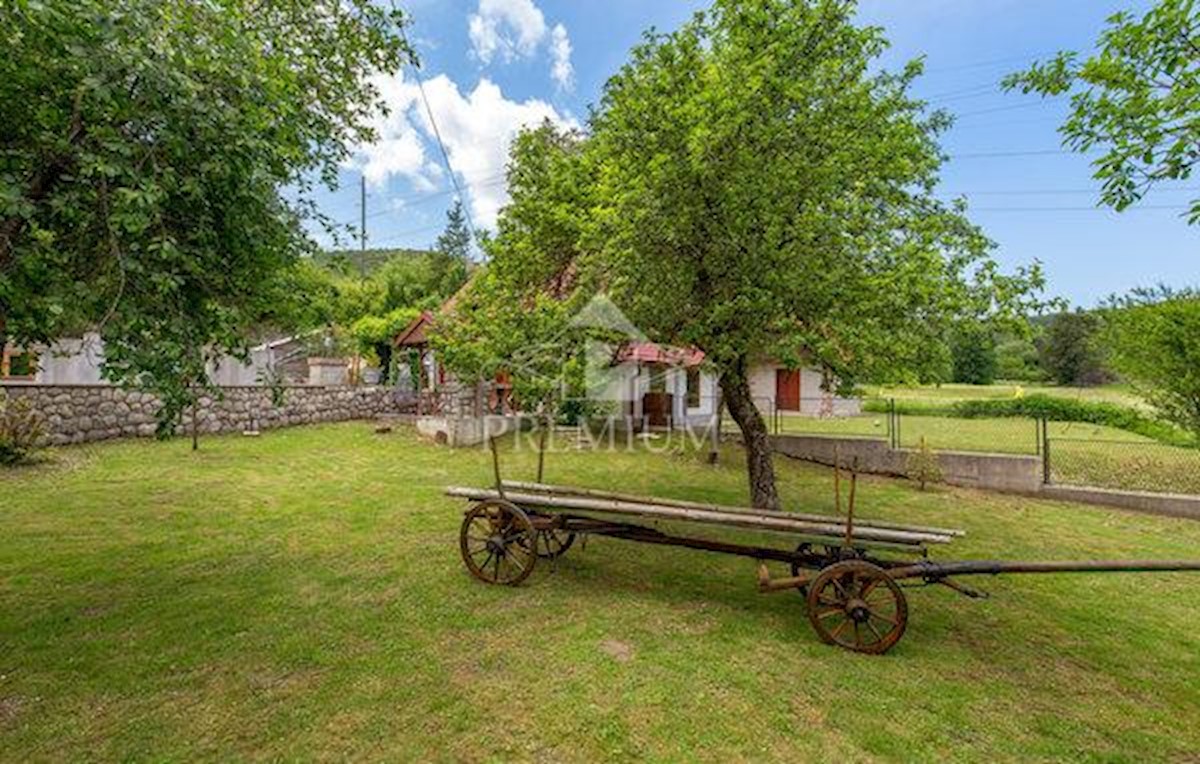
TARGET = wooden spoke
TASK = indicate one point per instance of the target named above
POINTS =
(554, 543)
(872, 607)
(503, 531)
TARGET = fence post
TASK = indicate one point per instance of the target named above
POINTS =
(892, 422)
(897, 418)
(1045, 452)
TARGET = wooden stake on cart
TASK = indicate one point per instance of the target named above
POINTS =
(543, 420)
(495, 461)
(850, 509)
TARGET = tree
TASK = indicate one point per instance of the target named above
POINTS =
(452, 252)
(1070, 350)
(973, 347)
(1017, 359)
(765, 190)
(1155, 340)
(1136, 99)
(147, 147)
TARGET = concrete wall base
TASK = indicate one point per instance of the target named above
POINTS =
(1008, 473)
(1001, 472)
(465, 431)
(1170, 504)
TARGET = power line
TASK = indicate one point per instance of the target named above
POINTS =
(415, 199)
(442, 146)
(992, 62)
(1009, 107)
(996, 154)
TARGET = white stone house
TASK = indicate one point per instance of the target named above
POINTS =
(77, 361)
(775, 388)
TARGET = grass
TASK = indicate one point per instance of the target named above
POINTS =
(300, 595)
(1113, 393)
(998, 435)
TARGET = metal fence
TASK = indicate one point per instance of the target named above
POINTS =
(1125, 464)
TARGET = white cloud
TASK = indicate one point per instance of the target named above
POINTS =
(560, 56)
(516, 29)
(512, 28)
(477, 128)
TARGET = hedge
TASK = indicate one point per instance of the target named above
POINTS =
(1038, 406)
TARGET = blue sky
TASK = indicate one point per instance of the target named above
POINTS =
(490, 66)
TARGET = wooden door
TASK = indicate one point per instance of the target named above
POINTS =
(787, 390)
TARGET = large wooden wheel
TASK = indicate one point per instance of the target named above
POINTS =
(554, 543)
(856, 605)
(498, 542)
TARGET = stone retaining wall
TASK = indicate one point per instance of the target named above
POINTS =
(83, 413)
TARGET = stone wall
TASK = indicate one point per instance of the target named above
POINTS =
(83, 413)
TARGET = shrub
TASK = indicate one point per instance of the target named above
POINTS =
(22, 431)
(923, 466)
(1067, 410)
(1038, 406)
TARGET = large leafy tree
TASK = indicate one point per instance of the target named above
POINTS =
(973, 350)
(1137, 99)
(147, 146)
(765, 190)
(1154, 337)
(1071, 351)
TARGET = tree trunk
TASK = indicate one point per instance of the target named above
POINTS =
(735, 389)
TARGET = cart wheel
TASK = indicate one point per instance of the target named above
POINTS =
(856, 605)
(497, 542)
(554, 543)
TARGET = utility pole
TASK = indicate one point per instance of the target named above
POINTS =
(362, 227)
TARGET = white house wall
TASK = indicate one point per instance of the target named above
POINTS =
(813, 400)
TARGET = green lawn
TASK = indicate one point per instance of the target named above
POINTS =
(998, 435)
(300, 596)
(1115, 393)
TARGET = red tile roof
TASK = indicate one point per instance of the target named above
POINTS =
(650, 352)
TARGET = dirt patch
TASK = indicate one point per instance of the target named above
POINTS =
(621, 652)
(10, 706)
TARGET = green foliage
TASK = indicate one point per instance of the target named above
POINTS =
(22, 431)
(923, 465)
(765, 189)
(1155, 341)
(452, 252)
(1068, 410)
(1017, 360)
(147, 144)
(1071, 353)
(1040, 406)
(514, 317)
(973, 348)
(1136, 99)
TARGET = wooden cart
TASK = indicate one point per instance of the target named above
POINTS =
(848, 570)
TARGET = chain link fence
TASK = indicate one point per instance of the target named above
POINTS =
(1123, 464)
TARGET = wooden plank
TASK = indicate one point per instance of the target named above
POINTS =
(566, 490)
(711, 517)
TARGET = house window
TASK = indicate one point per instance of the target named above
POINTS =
(693, 388)
(18, 364)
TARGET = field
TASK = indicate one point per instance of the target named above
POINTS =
(1000, 435)
(1116, 393)
(300, 596)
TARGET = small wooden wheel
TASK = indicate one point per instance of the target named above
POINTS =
(856, 605)
(497, 542)
(554, 543)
